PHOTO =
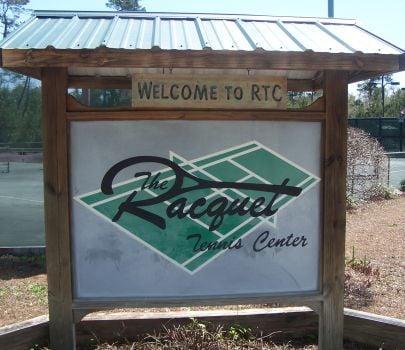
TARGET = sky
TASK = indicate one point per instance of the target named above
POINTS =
(384, 18)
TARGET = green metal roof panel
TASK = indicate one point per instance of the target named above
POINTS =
(175, 31)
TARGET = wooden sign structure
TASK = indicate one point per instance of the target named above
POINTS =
(220, 92)
(75, 208)
(327, 298)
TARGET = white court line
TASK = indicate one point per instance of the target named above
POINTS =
(201, 170)
(220, 190)
(196, 220)
(165, 179)
(220, 240)
(23, 199)
(193, 160)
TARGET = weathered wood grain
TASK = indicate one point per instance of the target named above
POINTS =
(359, 326)
(56, 203)
(292, 114)
(83, 304)
(103, 57)
(120, 82)
(334, 218)
(367, 328)
(23, 335)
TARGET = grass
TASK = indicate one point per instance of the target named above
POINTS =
(40, 291)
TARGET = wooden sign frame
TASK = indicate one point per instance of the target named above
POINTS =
(64, 311)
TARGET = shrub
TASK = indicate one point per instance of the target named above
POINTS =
(385, 192)
(367, 165)
(351, 203)
(402, 185)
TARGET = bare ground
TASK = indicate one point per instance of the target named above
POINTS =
(376, 230)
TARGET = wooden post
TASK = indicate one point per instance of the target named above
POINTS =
(54, 90)
(331, 314)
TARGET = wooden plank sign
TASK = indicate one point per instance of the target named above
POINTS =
(200, 91)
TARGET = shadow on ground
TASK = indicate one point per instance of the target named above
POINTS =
(14, 267)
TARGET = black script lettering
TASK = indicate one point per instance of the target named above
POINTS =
(217, 209)
(262, 241)
(214, 245)
(154, 183)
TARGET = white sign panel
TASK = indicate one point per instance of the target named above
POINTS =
(198, 209)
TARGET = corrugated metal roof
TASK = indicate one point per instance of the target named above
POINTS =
(169, 31)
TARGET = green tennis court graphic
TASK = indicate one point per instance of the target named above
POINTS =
(190, 242)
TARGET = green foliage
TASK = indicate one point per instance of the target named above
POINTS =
(20, 109)
(363, 266)
(125, 5)
(385, 192)
(300, 99)
(10, 11)
(351, 202)
(390, 193)
(369, 101)
(103, 97)
(402, 185)
(31, 259)
(40, 291)
(238, 332)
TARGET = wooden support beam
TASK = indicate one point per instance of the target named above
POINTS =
(91, 82)
(303, 115)
(103, 57)
(30, 72)
(331, 315)
(402, 62)
(363, 327)
(54, 87)
(116, 82)
(301, 85)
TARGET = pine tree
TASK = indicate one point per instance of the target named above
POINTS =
(125, 5)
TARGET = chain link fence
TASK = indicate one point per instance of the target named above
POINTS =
(390, 132)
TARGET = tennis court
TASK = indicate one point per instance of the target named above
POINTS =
(397, 170)
(21, 205)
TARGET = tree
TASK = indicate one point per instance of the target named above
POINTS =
(20, 102)
(125, 5)
(10, 12)
(371, 92)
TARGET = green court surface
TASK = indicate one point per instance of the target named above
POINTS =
(21, 206)
(248, 163)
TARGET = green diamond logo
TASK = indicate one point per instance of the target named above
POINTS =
(249, 163)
